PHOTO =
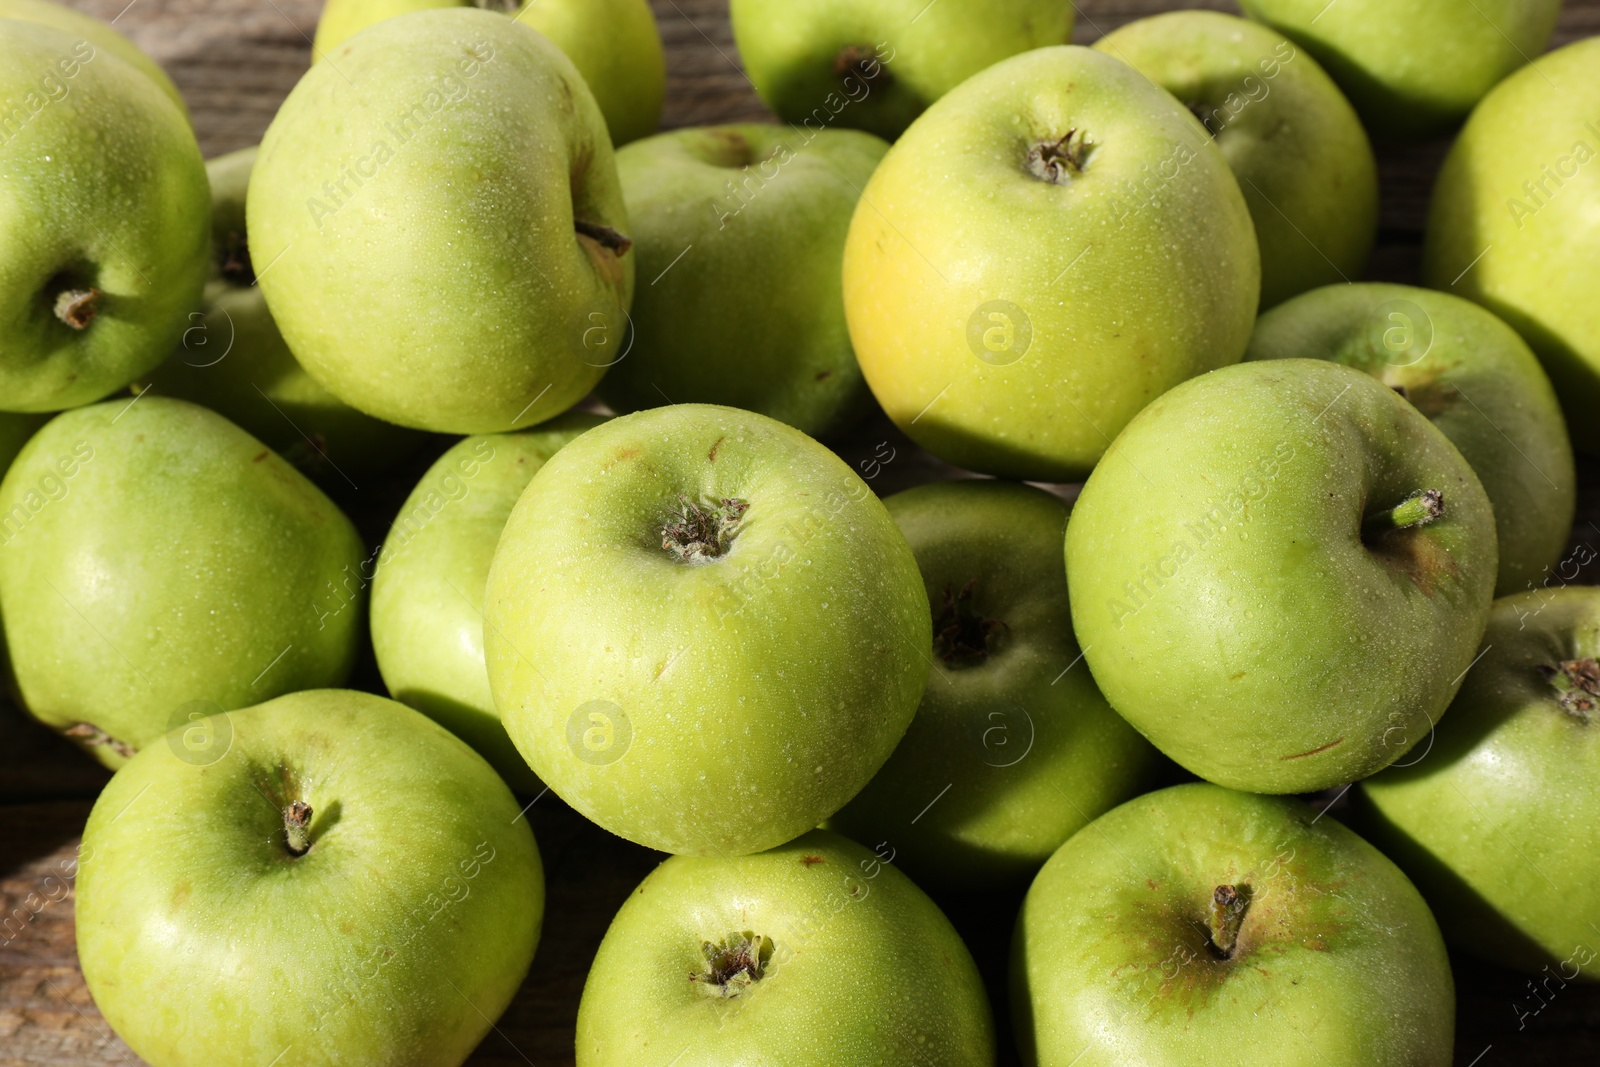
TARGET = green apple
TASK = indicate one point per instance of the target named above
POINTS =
(614, 44)
(104, 229)
(1474, 378)
(1197, 926)
(1280, 573)
(1051, 247)
(1413, 68)
(326, 878)
(1497, 820)
(877, 64)
(1013, 749)
(427, 595)
(702, 629)
(816, 952)
(1518, 232)
(156, 559)
(98, 34)
(741, 229)
(234, 361)
(1294, 142)
(434, 218)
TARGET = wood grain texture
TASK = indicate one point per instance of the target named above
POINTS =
(235, 60)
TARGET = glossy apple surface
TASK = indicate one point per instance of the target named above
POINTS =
(1474, 378)
(427, 595)
(1260, 584)
(1013, 749)
(233, 360)
(1303, 161)
(815, 952)
(1047, 250)
(1324, 953)
(98, 34)
(702, 629)
(876, 65)
(104, 235)
(1413, 68)
(614, 44)
(156, 559)
(395, 930)
(435, 217)
(1494, 816)
(1518, 234)
(740, 230)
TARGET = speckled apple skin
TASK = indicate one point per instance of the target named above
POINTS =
(725, 706)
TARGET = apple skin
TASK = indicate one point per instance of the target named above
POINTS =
(905, 54)
(753, 316)
(1474, 378)
(614, 44)
(154, 556)
(864, 968)
(724, 704)
(427, 594)
(99, 34)
(105, 196)
(1227, 601)
(1523, 250)
(234, 361)
(397, 937)
(1013, 749)
(449, 290)
(1501, 799)
(1337, 959)
(1303, 161)
(979, 330)
(1413, 68)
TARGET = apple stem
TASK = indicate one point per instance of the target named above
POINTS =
(1577, 684)
(78, 307)
(1228, 905)
(1417, 510)
(297, 827)
(605, 236)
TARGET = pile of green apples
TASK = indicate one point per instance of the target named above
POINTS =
(1316, 514)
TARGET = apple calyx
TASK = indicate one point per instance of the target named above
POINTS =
(94, 737)
(297, 827)
(233, 260)
(1577, 686)
(1419, 509)
(962, 637)
(1058, 162)
(733, 965)
(603, 235)
(78, 307)
(700, 532)
(862, 61)
(1228, 905)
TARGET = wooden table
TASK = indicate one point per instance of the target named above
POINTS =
(235, 60)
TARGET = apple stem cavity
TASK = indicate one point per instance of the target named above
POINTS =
(733, 965)
(863, 62)
(1058, 162)
(297, 827)
(700, 532)
(233, 260)
(1228, 905)
(604, 236)
(78, 307)
(1577, 686)
(1417, 510)
(962, 637)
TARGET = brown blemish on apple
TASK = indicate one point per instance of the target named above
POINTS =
(91, 736)
(811, 861)
(612, 240)
(824, 375)
(711, 456)
(1313, 752)
(1577, 686)
(862, 61)
(261, 457)
(181, 894)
